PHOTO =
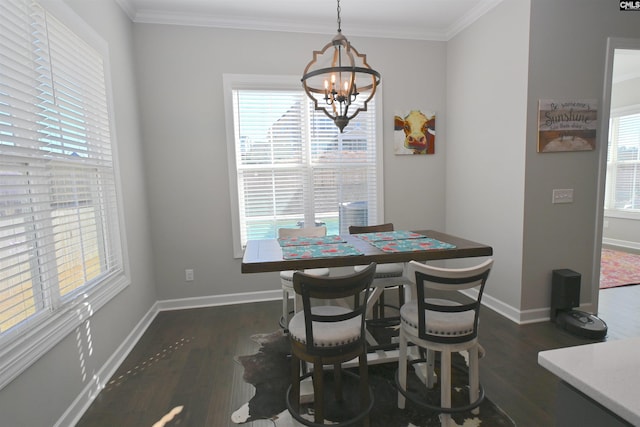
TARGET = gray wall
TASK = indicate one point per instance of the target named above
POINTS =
(486, 111)
(180, 85)
(40, 396)
(567, 51)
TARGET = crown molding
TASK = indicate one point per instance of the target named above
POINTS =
(128, 8)
(472, 16)
(148, 16)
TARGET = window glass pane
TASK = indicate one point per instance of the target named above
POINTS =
(294, 167)
(623, 164)
(59, 231)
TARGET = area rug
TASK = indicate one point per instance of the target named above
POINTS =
(268, 371)
(619, 269)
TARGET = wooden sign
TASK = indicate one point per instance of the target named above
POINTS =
(568, 125)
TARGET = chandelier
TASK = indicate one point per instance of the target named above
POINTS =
(331, 76)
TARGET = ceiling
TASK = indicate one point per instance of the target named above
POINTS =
(404, 19)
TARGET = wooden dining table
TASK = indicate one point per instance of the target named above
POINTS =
(261, 256)
(265, 255)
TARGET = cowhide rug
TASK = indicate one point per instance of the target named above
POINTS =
(268, 371)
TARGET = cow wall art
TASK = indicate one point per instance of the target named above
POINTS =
(415, 133)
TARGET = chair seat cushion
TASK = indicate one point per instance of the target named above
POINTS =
(286, 277)
(437, 323)
(326, 334)
(384, 270)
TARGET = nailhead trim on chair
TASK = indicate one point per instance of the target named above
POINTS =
(385, 275)
(408, 315)
(341, 333)
(384, 270)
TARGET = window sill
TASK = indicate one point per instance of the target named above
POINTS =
(610, 213)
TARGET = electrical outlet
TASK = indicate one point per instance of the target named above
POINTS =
(188, 275)
(562, 195)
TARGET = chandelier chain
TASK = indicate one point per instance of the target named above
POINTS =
(339, 20)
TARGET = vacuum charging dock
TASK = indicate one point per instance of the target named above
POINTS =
(565, 295)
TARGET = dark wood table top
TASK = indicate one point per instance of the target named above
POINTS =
(266, 255)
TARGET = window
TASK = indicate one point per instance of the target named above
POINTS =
(623, 162)
(60, 247)
(290, 164)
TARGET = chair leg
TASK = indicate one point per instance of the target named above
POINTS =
(285, 308)
(402, 368)
(337, 379)
(318, 390)
(381, 304)
(295, 383)
(431, 372)
(474, 378)
(364, 385)
(373, 300)
(445, 385)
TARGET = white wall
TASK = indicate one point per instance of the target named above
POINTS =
(40, 396)
(180, 85)
(486, 123)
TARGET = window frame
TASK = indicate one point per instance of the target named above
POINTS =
(611, 172)
(283, 82)
(20, 349)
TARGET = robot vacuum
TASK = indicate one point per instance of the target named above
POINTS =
(582, 324)
(565, 295)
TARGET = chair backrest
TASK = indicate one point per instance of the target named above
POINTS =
(302, 232)
(428, 278)
(352, 288)
(379, 228)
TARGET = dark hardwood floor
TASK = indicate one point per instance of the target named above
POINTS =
(186, 358)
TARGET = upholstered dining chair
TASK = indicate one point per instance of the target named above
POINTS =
(328, 334)
(387, 276)
(438, 324)
(286, 277)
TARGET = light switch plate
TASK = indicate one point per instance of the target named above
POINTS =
(562, 195)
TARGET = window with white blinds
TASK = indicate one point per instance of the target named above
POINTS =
(623, 162)
(60, 246)
(292, 167)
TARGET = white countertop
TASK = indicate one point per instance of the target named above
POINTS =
(608, 372)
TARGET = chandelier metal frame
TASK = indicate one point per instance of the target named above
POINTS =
(333, 88)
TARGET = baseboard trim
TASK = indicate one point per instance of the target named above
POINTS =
(79, 406)
(74, 412)
(215, 300)
(517, 316)
(623, 245)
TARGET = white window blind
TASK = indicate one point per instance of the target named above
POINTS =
(623, 163)
(59, 220)
(292, 166)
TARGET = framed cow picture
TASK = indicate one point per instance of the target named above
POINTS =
(414, 133)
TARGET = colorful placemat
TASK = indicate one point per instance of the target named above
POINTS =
(388, 236)
(319, 251)
(412, 245)
(305, 241)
